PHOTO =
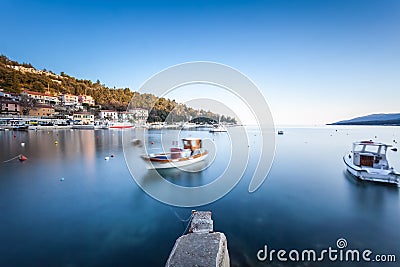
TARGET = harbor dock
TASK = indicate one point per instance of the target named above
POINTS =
(201, 246)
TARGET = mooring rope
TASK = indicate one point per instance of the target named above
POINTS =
(12, 159)
(188, 220)
(187, 226)
(179, 217)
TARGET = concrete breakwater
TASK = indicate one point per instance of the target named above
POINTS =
(201, 246)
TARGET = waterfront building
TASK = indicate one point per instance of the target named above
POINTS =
(42, 98)
(86, 99)
(69, 100)
(10, 107)
(83, 118)
(42, 111)
(126, 116)
(140, 115)
(108, 115)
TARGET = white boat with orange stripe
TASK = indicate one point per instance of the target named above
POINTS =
(191, 153)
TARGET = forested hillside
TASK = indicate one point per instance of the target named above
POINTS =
(16, 77)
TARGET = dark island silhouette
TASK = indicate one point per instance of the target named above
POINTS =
(382, 119)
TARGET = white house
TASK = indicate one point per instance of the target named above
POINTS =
(86, 99)
(41, 98)
(69, 100)
(109, 115)
(126, 115)
(10, 107)
(83, 118)
(140, 115)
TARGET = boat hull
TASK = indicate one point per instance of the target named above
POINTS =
(20, 128)
(173, 163)
(371, 174)
(52, 127)
(121, 126)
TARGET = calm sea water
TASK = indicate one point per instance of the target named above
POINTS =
(98, 216)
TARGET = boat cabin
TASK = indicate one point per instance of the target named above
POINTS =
(191, 147)
(191, 143)
(370, 154)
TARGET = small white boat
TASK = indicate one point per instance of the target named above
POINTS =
(101, 127)
(16, 124)
(368, 161)
(218, 128)
(20, 127)
(48, 124)
(155, 126)
(191, 153)
(121, 125)
(189, 126)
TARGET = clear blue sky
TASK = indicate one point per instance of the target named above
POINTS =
(315, 61)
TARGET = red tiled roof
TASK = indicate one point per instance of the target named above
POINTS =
(37, 93)
(43, 106)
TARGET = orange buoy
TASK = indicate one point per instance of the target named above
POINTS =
(22, 158)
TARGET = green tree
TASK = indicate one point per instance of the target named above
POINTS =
(38, 87)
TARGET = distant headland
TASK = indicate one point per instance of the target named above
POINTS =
(383, 119)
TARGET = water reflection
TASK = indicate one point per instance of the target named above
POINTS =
(186, 176)
(370, 196)
(99, 216)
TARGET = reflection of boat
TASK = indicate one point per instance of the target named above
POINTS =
(368, 162)
(191, 152)
(83, 126)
